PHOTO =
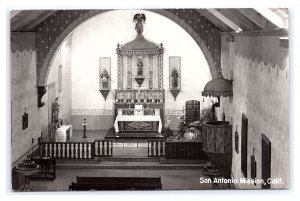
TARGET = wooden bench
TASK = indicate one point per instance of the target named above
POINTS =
(116, 183)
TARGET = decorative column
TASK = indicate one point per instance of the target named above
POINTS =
(120, 64)
(129, 72)
(160, 67)
(151, 72)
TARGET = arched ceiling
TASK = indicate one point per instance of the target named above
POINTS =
(204, 25)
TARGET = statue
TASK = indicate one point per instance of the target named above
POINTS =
(139, 18)
(55, 111)
(175, 76)
(104, 78)
(140, 67)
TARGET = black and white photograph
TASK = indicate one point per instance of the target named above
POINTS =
(108, 100)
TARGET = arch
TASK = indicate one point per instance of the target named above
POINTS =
(45, 63)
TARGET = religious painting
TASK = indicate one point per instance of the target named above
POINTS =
(236, 141)
(266, 161)
(253, 167)
(25, 120)
(244, 146)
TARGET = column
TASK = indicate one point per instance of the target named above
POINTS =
(151, 72)
(129, 72)
(120, 74)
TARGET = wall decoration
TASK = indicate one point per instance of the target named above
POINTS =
(236, 140)
(25, 120)
(105, 76)
(253, 167)
(175, 75)
(244, 145)
(266, 161)
(41, 93)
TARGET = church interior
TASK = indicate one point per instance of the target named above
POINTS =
(154, 99)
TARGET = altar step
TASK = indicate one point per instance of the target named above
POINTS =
(132, 135)
(129, 159)
(130, 165)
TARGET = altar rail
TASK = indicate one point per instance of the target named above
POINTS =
(68, 150)
(103, 148)
(77, 150)
(156, 148)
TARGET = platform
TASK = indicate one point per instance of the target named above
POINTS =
(138, 135)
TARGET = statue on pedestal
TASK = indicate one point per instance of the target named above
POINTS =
(140, 67)
(104, 78)
(139, 18)
(174, 79)
(55, 111)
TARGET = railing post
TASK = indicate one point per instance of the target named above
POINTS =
(111, 148)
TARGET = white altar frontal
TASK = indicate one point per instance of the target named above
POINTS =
(136, 119)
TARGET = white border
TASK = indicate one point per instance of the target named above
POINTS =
(6, 5)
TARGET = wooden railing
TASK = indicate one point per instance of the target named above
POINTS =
(103, 148)
(69, 150)
(156, 148)
(180, 149)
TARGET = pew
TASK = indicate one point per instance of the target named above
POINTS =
(116, 183)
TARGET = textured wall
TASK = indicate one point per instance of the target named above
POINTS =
(62, 58)
(23, 93)
(261, 92)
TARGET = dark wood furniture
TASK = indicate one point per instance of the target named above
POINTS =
(192, 111)
(116, 183)
(47, 168)
(184, 149)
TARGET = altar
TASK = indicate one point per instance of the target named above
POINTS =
(140, 95)
(138, 123)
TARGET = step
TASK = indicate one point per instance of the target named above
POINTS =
(142, 167)
(130, 159)
(182, 161)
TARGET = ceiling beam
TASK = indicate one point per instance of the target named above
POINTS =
(239, 19)
(276, 32)
(13, 13)
(271, 16)
(29, 26)
(224, 19)
(257, 18)
(213, 19)
(23, 18)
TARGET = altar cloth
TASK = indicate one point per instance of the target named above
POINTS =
(138, 118)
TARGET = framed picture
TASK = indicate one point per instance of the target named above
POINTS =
(25, 121)
(253, 168)
(236, 141)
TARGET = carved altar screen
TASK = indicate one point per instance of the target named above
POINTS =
(140, 73)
